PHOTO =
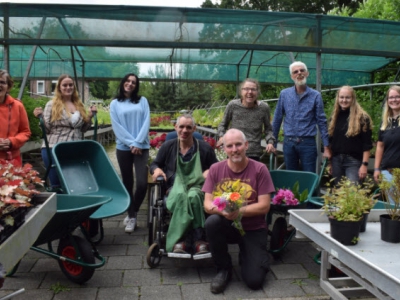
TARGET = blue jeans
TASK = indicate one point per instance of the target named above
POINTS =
(388, 177)
(53, 176)
(345, 165)
(303, 149)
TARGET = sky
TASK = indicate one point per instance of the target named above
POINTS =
(172, 3)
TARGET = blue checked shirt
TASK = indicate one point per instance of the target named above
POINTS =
(300, 114)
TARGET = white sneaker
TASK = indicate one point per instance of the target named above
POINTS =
(125, 222)
(130, 227)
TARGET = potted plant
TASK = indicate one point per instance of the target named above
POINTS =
(345, 205)
(390, 222)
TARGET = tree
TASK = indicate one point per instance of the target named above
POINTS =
(304, 6)
(99, 89)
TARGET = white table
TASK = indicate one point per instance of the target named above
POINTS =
(15, 246)
(372, 264)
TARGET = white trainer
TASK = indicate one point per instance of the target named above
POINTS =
(130, 227)
(125, 222)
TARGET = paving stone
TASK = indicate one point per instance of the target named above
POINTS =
(38, 294)
(286, 271)
(143, 278)
(112, 250)
(283, 288)
(24, 280)
(199, 292)
(77, 293)
(120, 293)
(163, 292)
(180, 275)
(46, 265)
(124, 262)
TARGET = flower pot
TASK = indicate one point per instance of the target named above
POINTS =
(345, 232)
(364, 221)
(390, 229)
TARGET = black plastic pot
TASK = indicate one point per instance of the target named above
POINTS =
(364, 221)
(345, 232)
(390, 229)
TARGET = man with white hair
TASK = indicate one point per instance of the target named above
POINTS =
(301, 109)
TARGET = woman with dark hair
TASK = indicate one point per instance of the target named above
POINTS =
(14, 128)
(130, 118)
(250, 116)
(65, 119)
(387, 155)
(350, 137)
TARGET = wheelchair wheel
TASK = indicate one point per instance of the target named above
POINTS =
(74, 272)
(278, 235)
(154, 256)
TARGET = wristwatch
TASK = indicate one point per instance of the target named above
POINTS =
(365, 163)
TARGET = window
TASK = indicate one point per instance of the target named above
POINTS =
(53, 86)
(40, 87)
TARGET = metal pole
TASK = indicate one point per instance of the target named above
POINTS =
(6, 58)
(30, 62)
(318, 87)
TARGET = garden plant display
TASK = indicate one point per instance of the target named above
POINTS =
(17, 188)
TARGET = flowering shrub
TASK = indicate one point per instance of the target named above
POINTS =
(290, 197)
(160, 120)
(17, 187)
(284, 196)
(156, 141)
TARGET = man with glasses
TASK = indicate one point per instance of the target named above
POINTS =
(301, 109)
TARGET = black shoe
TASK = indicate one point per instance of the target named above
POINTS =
(220, 281)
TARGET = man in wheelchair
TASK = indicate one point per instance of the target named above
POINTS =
(252, 180)
(184, 164)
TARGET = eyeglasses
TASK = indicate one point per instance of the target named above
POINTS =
(3, 82)
(249, 89)
(394, 97)
(299, 71)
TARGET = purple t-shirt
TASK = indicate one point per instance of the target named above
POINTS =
(255, 176)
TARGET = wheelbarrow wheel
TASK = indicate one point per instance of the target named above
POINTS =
(278, 236)
(74, 272)
(154, 256)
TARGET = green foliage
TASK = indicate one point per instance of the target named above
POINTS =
(392, 189)
(58, 287)
(99, 89)
(299, 196)
(348, 201)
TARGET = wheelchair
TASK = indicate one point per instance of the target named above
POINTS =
(158, 223)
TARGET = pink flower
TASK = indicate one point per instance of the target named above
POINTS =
(284, 196)
(220, 202)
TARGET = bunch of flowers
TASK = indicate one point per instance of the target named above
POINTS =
(210, 141)
(160, 120)
(231, 200)
(156, 140)
(284, 196)
(17, 187)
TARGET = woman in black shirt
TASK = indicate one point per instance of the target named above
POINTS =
(350, 137)
(387, 154)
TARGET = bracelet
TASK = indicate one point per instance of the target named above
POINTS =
(377, 169)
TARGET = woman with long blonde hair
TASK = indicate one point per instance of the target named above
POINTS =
(350, 137)
(387, 154)
(65, 118)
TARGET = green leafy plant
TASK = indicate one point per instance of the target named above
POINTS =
(391, 189)
(348, 201)
(300, 196)
(58, 288)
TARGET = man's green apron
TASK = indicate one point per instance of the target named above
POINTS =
(185, 200)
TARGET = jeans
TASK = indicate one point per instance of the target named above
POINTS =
(253, 256)
(300, 148)
(53, 176)
(388, 177)
(126, 162)
(345, 165)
